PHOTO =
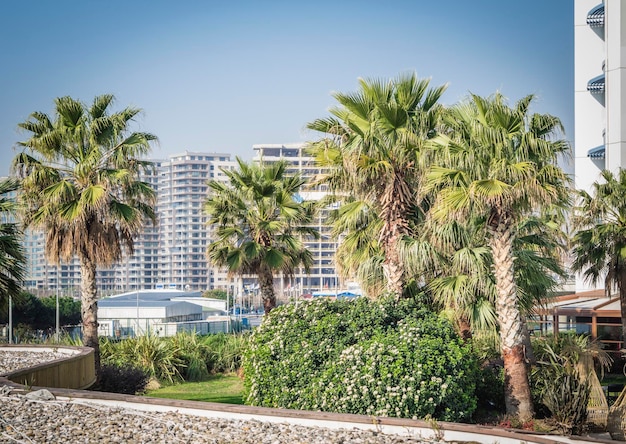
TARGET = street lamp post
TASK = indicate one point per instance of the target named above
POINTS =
(137, 322)
(57, 318)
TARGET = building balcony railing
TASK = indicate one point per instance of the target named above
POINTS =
(596, 153)
(595, 17)
(597, 84)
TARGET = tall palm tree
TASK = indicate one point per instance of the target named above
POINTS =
(261, 224)
(373, 145)
(12, 258)
(599, 245)
(457, 265)
(80, 175)
(500, 163)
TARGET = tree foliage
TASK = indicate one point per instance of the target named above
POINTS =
(261, 224)
(12, 255)
(80, 176)
(374, 151)
(33, 313)
(499, 163)
(599, 245)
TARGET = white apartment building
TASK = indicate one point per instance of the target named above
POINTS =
(183, 232)
(322, 274)
(600, 91)
(171, 254)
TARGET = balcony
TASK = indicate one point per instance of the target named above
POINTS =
(595, 17)
(596, 85)
(596, 153)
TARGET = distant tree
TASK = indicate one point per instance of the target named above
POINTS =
(30, 313)
(80, 183)
(261, 224)
(69, 309)
(216, 293)
(34, 313)
(600, 240)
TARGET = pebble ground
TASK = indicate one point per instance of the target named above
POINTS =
(24, 420)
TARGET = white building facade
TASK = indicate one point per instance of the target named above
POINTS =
(600, 92)
(183, 232)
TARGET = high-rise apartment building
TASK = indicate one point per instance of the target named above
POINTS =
(323, 273)
(183, 232)
(600, 91)
(170, 254)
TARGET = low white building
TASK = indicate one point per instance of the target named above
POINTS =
(160, 312)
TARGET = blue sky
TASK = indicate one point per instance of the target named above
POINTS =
(221, 76)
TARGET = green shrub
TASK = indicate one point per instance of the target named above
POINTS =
(556, 382)
(382, 358)
(193, 354)
(121, 378)
(185, 356)
(157, 356)
(566, 397)
(224, 351)
(490, 388)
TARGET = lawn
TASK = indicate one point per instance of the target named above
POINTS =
(226, 389)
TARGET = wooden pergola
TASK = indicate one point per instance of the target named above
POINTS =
(590, 312)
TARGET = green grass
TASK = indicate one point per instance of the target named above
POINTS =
(226, 389)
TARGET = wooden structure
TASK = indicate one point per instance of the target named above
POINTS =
(592, 312)
(76, 371)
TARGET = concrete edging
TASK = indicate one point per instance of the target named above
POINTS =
(55, 377)
(451, 432)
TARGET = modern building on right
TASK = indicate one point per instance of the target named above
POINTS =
(600, 92)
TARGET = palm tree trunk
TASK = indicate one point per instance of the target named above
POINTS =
(393, 270)
(465, 328)
(266, 285)
(517, 395)
(89, 307)
(396, 204)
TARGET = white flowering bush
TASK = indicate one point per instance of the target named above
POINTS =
(381, 358)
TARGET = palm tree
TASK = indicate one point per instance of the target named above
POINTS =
(457, 265)
(358, 256)
(260, 224)
(12, 258)
(80, 178)
(500, 163)
(599, 245)
(373, 144)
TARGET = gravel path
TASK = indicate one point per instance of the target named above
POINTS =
(25, 418)
(39, 421)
